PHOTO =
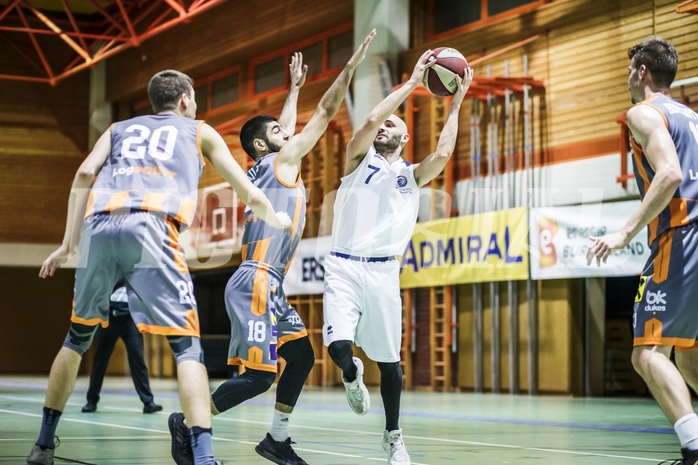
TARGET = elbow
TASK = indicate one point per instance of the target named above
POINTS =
(84, 177)
(255, 198)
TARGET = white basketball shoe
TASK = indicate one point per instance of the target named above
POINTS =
(357, 394)
(395, 447)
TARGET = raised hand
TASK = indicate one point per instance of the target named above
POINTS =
(360, 53)
(463, 84)
(427, 60)
(297, 70)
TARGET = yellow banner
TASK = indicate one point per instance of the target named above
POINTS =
(467, 249)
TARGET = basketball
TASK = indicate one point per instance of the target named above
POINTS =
(440, 78)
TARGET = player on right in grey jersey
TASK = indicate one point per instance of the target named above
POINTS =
(374, 215)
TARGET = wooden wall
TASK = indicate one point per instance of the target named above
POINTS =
(582, 60)
(42, 142)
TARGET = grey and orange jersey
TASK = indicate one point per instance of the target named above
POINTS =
(682, 123)
(155, 165)
(261, 243)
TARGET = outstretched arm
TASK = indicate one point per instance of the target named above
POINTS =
(79, 193)
(298, 70)
(215, 149)
(435, 163)
(366, 133)
(650, 132)
(297, 147)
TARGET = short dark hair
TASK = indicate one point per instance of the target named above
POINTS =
(659, 56)
(254, 128)
(166, 87)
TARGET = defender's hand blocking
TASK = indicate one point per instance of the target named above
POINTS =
(297, 70)
(360, 53)
(54, 261)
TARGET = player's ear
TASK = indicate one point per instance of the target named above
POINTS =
(404, 139)
(259, 145)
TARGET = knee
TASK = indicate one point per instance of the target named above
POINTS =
(390, 369)
(79, 338)
(186, 348)
(339, 349)
(299, 353)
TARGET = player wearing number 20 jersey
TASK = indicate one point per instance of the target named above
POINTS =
(155, 165)
(148, 183)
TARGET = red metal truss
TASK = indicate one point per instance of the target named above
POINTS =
(48, 44)
(690, 6)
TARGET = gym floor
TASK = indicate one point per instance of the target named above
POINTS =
(439, 428)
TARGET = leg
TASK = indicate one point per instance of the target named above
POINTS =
(240, 388)
(276, 446)
(61, 382)
(106, 341)
(300, 359)
(133, 340)
(352, 367)
(391, 391)
(670, 391)
(342, 355)
(687, 362)
(663, 379)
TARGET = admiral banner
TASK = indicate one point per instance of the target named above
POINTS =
(559, 239)
(467, 249)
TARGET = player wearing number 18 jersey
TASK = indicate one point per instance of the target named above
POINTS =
(147, 172)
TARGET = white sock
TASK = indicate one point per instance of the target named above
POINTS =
(687, 430)
(279, 426)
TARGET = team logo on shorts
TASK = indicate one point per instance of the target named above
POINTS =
(641, 289)
(655, 301)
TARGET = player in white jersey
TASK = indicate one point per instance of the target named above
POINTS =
(129, 230)
(374, 215)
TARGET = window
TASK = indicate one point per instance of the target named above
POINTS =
(340, 49)
(312, 56)
(494, 7)
(201, 96)
(224, 91)
(270, 75)
(450, 14)
(448, 17)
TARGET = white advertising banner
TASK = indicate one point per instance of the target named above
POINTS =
(307, 272)
(559, 238)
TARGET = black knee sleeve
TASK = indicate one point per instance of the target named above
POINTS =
(391, 390)
(341, 353)
(186, 348)
(241, 388)
(79, 338)
(300, 359)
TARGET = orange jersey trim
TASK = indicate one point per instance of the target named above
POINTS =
(278, 178)
(254, 366)
(290, 337)
(192, 328)
(198, 142)
(661, 263)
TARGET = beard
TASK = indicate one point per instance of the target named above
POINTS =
(273, 147)
(387, 145)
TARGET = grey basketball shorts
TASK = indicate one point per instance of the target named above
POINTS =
(261, 319)
(143, 248)
(664, 312)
